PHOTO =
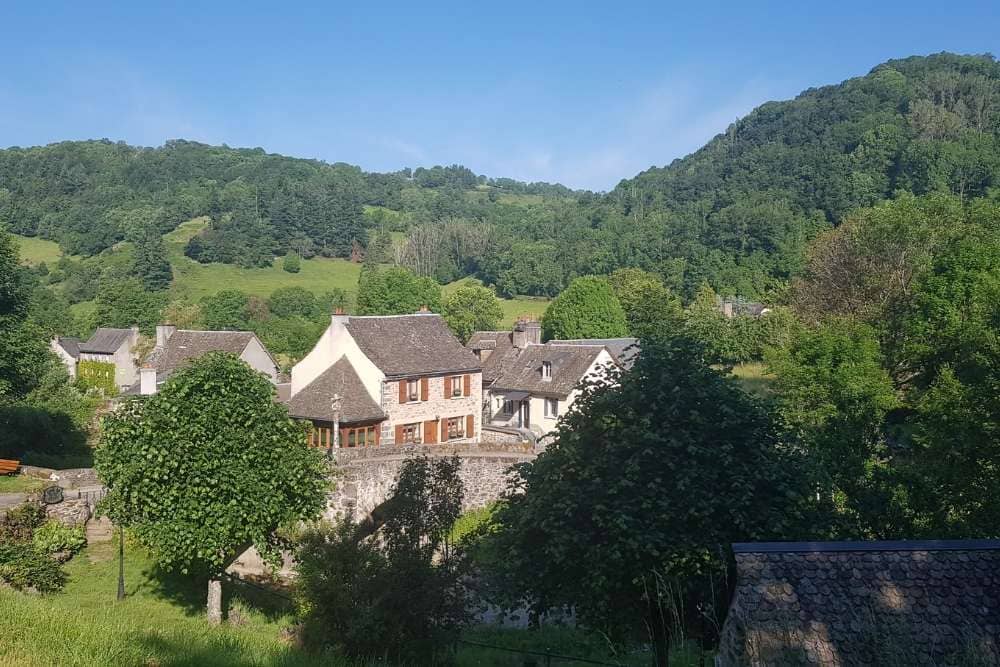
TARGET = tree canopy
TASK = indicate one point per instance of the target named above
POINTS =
(588, 308)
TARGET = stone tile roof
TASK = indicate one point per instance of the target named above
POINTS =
(839, 603)
(70, 345)
(184, 345)
(314, 400)
(407, 345)
(623, 350)
(569, 364)
(501, 345)
(105, 341)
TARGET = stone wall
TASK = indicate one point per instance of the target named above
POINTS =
(366, 476)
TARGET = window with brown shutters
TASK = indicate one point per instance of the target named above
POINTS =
(455, 428)
(403, 394)
(410, 434)
(467, 385)
(453, 386)
(424, 389)
(409, 391)
(447, 387)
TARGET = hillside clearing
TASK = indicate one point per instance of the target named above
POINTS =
(35, 250)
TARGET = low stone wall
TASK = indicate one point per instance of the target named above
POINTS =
(366, 476)
(503, 435)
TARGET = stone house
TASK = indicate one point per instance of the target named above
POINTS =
(175, 347)
(864, 603)
(68, 351)
(528, 384)
(400, 379)
(117, 347)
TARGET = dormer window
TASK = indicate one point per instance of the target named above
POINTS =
(546, 370)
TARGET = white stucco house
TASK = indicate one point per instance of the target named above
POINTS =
(176, 347)
(67, 349)
(399, 379)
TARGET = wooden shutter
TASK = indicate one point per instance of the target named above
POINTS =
(468, 385)
(343, 437)
(424, 388)
(447, 386)
(444, 430)
(470, 425)
(399, 434)
(402, 392)
(430, 432)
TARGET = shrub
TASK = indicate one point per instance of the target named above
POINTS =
(53, 537)
(20, 523)
(97, 375)
(23, 566)
(291, 263)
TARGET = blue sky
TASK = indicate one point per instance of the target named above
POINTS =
(583, 94)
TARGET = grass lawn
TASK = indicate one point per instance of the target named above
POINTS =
(19, 484)
(753, 378)
(35, 250)
(161, 622)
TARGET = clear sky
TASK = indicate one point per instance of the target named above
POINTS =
(583, 94)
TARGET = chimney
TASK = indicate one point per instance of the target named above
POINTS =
(526, 332)
(163, 334)
(339, 318)
(147, 380)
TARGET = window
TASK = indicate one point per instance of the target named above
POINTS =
(413, 390)
(411, 434)
(552, 407)
(456, 386)
(456, 427)
(508, 407)
(546, 370)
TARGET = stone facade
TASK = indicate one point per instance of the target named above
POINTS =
(366, 476)
(437, 407)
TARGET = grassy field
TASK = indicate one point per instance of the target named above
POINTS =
(754, 379)
(19, 484)
(512, 308)
(161, 622)
(36, 251)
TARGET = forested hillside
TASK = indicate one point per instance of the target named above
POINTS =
(737, 214)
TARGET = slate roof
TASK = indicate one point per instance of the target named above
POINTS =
(834, 603)
(70, 345)
(623, 350)
(185, 345)
(569, 363)
(105, 341)
(407, 345)
(502, 351)
(314, 400)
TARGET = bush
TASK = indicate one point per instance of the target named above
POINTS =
(291, 263)
(23, 566)
(19, 524)
(97, 375)
(53, 537)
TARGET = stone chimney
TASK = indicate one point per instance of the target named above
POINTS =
(147, 379)
(527, 332)
(163, 334)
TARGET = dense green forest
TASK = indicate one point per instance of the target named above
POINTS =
(736, 214)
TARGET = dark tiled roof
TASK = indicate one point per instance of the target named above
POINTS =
(839, 603)
(501, 351)
(105, 341)
(569, 363)
(405, 345)
(70, 345)
(185, 345)
(623, 350)
(313, 401)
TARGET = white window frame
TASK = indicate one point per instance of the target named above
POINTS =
(552, 407)
(413, 391)
(546, 370)
(457, 386)
(459, 428)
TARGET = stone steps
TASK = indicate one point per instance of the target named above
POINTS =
(100, 530)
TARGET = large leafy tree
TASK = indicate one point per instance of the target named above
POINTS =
(650, 307)
(208, 467)
(125, 302)
(151, 265)
(226, 310)
(22, 345)
(396, 291)
(471, 308)
(588, 308)
(648, 480)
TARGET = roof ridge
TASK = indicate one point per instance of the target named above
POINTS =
(385, 317)
(861, 545)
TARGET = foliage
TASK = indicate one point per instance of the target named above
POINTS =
(20, 522)
(395, 595)
(50, 313)
(471, 308)
(225, 310)
(151, 265)
(396, 291)
(648, 478)
(294, 302)
(741, 338)
(588, 308)
(22, 348)
(208, 466)
(23, 566)
(98, 375)
(53, 537)
(650, 307)
(291, 263)
(125, 302)
(833, 392)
